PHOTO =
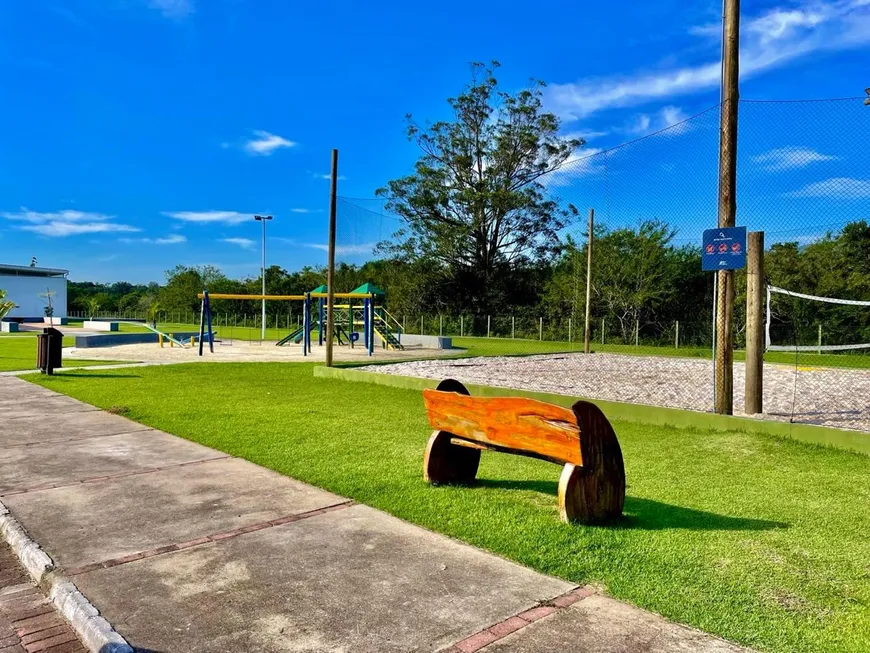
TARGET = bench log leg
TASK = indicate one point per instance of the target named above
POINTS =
(446, 463)
(596, 491)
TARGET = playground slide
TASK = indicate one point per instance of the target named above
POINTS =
(166, 336)
(296, 337)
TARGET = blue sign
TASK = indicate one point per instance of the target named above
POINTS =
(354, 337)
(724, 249)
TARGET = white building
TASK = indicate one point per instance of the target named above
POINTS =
(27, 287)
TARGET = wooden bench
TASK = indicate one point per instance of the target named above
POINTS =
(592, 485)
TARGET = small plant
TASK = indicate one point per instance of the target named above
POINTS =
(6, 306)
(118, 410)
(152, 312)
(93, 305)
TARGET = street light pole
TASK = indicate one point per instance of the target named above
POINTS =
(263, 219)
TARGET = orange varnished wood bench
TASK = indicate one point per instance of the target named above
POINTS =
(592, 485)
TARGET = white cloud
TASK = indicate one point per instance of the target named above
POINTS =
(176, 9)
(174, 239)
(769, 40)
(329, 176)
(789, 158)
(67, 223)
(244, 243)
(584, 135)
(836, 188)
(665, 117)
(209, 217)
(343, 250)
(302, 211)
(581, 163)
(264, 143)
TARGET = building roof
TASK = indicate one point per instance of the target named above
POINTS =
(27, 271)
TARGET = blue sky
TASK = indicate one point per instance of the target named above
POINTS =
(137, 134)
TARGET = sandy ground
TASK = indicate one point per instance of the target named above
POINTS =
(241, 351)
(830, 397)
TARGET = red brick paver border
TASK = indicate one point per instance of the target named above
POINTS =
(217, 537)
(109, 477)
(28, 622)
(513, 624)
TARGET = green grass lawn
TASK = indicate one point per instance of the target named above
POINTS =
(757, 539)
(19, 353)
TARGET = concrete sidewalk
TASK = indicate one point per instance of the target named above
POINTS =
(183, 548)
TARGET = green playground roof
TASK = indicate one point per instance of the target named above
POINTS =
(321, 288)
(369, 289)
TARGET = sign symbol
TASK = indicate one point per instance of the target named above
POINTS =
(711, 249)
(735, 248)
(723, 248)
(721, 234)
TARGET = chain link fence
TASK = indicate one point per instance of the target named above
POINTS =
(803, 179)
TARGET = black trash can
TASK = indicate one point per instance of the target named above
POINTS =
(49, 350)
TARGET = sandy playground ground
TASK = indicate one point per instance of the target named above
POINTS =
(824, 396)
(241, 351)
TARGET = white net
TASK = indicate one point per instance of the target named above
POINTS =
(800, 322)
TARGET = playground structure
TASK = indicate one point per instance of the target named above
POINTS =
(363, 317)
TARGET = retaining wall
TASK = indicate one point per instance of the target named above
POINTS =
(113, 339)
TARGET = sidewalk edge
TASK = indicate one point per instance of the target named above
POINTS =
(94, 631)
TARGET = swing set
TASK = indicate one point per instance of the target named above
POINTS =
(362, 317)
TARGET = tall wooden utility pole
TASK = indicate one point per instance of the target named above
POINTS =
(727, 204)
(587, 340)
(330, 274)
(755, 297)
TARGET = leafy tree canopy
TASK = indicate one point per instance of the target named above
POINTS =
(475, 203)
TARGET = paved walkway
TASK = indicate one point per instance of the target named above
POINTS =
(185, 549)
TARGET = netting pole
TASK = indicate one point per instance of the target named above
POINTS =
(440, 325)
(461, 325)
(755, 291)
(724, 398)
(330, 274)
(488, 331)
(677, 335)
(540, 328)
(637, 333)
(587, 338)
(820, 338)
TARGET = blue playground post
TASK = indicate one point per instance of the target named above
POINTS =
(306, 316)
(366, 323)
(371, 325)
(307, 334)
(320, 322)
(208, 321)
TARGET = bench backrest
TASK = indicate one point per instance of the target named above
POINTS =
(519, 425)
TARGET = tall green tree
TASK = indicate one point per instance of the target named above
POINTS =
(475, 203)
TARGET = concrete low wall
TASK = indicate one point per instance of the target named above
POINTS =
(8, 327)
(100, 325)
(56, 321)
(426, 342)
(113, 339)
